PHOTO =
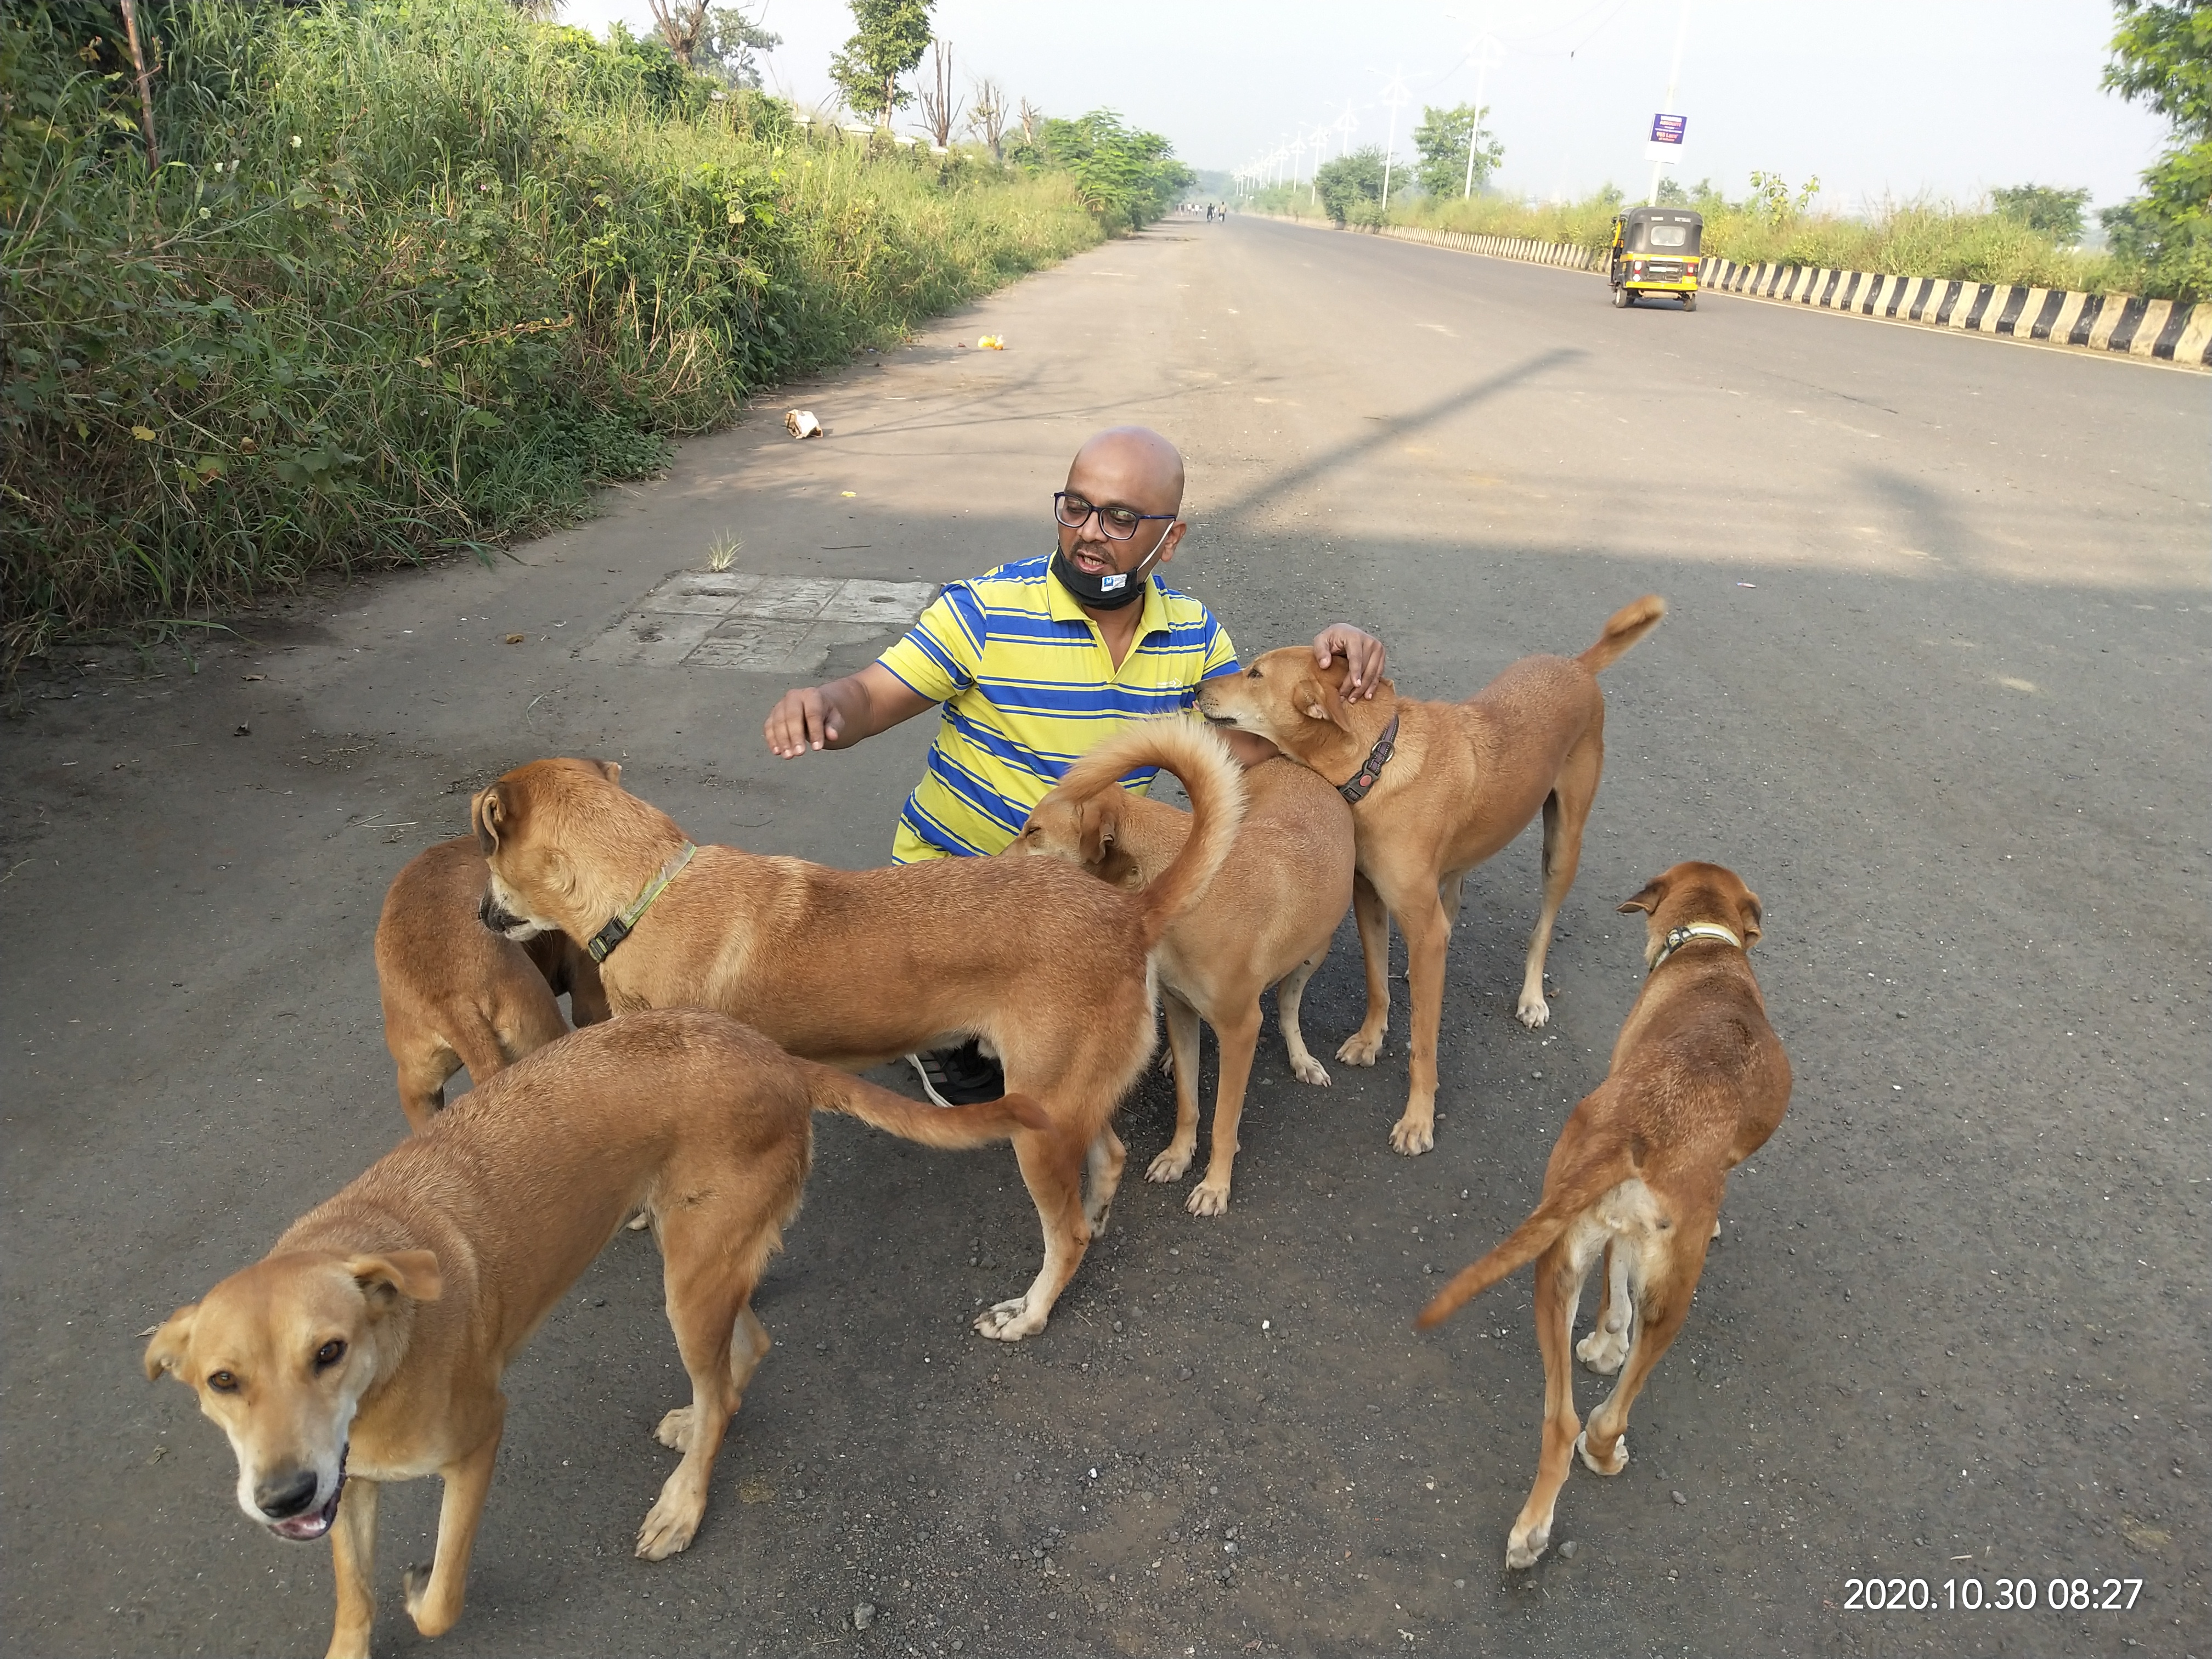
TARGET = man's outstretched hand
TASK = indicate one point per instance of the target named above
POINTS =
(803, 719)
(1363, 655)
(842, 712)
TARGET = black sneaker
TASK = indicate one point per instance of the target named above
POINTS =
(959, 1076)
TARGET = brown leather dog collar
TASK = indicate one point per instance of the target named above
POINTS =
(1378, 758)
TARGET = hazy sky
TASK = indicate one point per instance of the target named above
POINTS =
(1948, 97)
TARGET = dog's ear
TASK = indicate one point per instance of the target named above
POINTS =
(1647, 901)
(1101, 827)
(1749, 915)
(167, 1351)
(385, 1279)
(490, 818)
(610, 771)
(1317, 700)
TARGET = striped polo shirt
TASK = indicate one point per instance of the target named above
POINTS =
(1027, 685)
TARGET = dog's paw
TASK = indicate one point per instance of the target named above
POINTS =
(1360, 1048)
(1522, 1547)
(1618, 1461)
(1603, 1351)
(1532, 1011)
(1307, 1069)
(670, 1523)
(413, 1585)
(1008, 1322)
(1209, 1197)
(1413, 1135)
(675, 1430)
(1171, 1164)
(641, 1221)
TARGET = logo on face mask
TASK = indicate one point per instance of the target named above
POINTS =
(1114, 583)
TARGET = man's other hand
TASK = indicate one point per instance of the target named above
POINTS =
(1363, 653)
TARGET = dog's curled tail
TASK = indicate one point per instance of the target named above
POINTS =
(953, 1127)
(1210, 775)
(1623, 629)
(1603, 1167)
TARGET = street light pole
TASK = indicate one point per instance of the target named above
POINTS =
(1481, 77)
(1394, 96)
(1673, 78)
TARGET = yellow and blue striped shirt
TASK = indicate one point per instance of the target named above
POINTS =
(1027, 685)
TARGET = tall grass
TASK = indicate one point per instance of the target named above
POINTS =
(413, 274)
(1916, 239)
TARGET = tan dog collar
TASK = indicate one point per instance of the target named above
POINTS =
(1678, 937)
(603, 943)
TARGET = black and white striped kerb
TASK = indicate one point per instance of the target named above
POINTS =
(2124, 323)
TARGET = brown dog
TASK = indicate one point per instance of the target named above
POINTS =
(1267, 918)
(455, 992)
(857, 967)
(1698, 1083)
(1437, 788)
(368, 1345)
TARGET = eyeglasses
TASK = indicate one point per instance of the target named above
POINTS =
(1119, 523)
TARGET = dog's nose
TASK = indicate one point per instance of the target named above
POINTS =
(281, 1496)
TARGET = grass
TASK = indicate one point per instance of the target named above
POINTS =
(413, 275)
(1917, 239)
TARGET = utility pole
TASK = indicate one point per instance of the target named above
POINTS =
(1394, 96)
(1673, 79)
(1487, 44)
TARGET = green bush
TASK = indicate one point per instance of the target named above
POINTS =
(412, 274)
(1914, 239)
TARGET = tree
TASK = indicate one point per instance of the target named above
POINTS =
(987, 115)
(1442, 138)
(1032, 118)
(1123, 175)
(732, 38)
(2162, 57)
(940, 106)
(1351, 186)
(892, 36)
(2056, 213)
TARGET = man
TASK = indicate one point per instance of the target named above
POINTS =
(1036, 662)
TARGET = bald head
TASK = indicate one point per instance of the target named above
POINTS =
(1129, 466)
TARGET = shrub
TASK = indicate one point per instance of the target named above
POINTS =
(413, 274)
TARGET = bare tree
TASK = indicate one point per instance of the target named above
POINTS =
(1032, 118)
(940, 109)
(683, 25)
(987, 114)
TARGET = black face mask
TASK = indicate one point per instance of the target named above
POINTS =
(1109, 590)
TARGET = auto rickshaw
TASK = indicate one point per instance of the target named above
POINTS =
(1655, 251)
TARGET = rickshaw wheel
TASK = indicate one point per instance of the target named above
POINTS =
(1689, 303)
(1622, 299)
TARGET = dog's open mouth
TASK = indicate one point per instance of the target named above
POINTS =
(306, 1529)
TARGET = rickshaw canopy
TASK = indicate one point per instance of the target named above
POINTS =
(1661, 230)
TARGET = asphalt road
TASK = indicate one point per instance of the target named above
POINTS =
(1934, 681)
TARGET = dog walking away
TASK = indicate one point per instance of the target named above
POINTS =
(1436, 789)
(1049, 966)
(1266, 917)
(1698, 1083)
(456, 993)
(368, 1346)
